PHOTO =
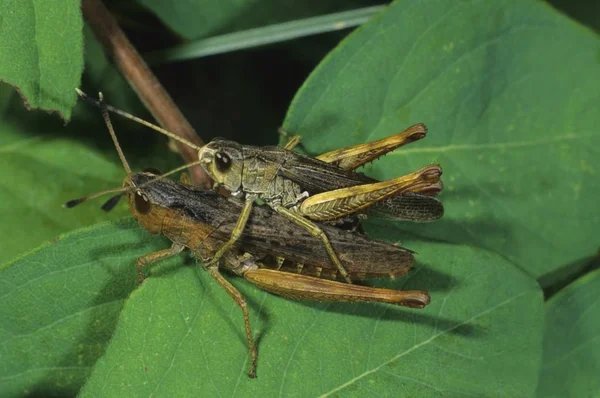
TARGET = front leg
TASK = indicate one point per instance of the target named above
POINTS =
(317, 232)
(154, 257)
(237, 231)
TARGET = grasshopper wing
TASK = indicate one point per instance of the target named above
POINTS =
(409, 206)
(316, 176)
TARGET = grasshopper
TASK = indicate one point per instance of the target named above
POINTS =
(305, 189)
(272, 254)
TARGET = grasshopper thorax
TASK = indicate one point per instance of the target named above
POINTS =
(224, 161)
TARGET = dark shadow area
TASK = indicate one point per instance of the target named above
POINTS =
(556, 281)
(445, 230)
(241, 96)
(50, 391)
(421, 277)
(403, 315)
(586, 12)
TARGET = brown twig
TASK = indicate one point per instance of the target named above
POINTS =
(144, 82)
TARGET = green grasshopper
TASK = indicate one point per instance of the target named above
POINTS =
(273, 254)
(305, 189)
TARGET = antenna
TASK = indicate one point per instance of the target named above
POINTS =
(101, 104)
(111, 130)
(105, 108)
(112, 201)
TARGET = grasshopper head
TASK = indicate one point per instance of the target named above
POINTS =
(224, 161)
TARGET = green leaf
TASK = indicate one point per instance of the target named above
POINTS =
(60, 304)
(41, 52)
(181, 335)
(508, 90)
(572, 341)
(194, 19)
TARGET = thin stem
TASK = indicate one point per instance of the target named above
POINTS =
(264, 35)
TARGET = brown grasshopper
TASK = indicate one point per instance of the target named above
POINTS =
(305, 189)
(273, 254)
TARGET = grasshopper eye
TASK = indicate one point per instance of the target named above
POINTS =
(222, 161)
(142, 204)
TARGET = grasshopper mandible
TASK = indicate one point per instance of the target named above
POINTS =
(272, 253)
(304, 189)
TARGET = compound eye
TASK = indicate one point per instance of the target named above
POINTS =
(222, 161)
(142, 204)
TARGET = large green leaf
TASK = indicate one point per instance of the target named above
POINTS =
(572, 341)
(508, 90)
(181, 335)
(41, 51)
